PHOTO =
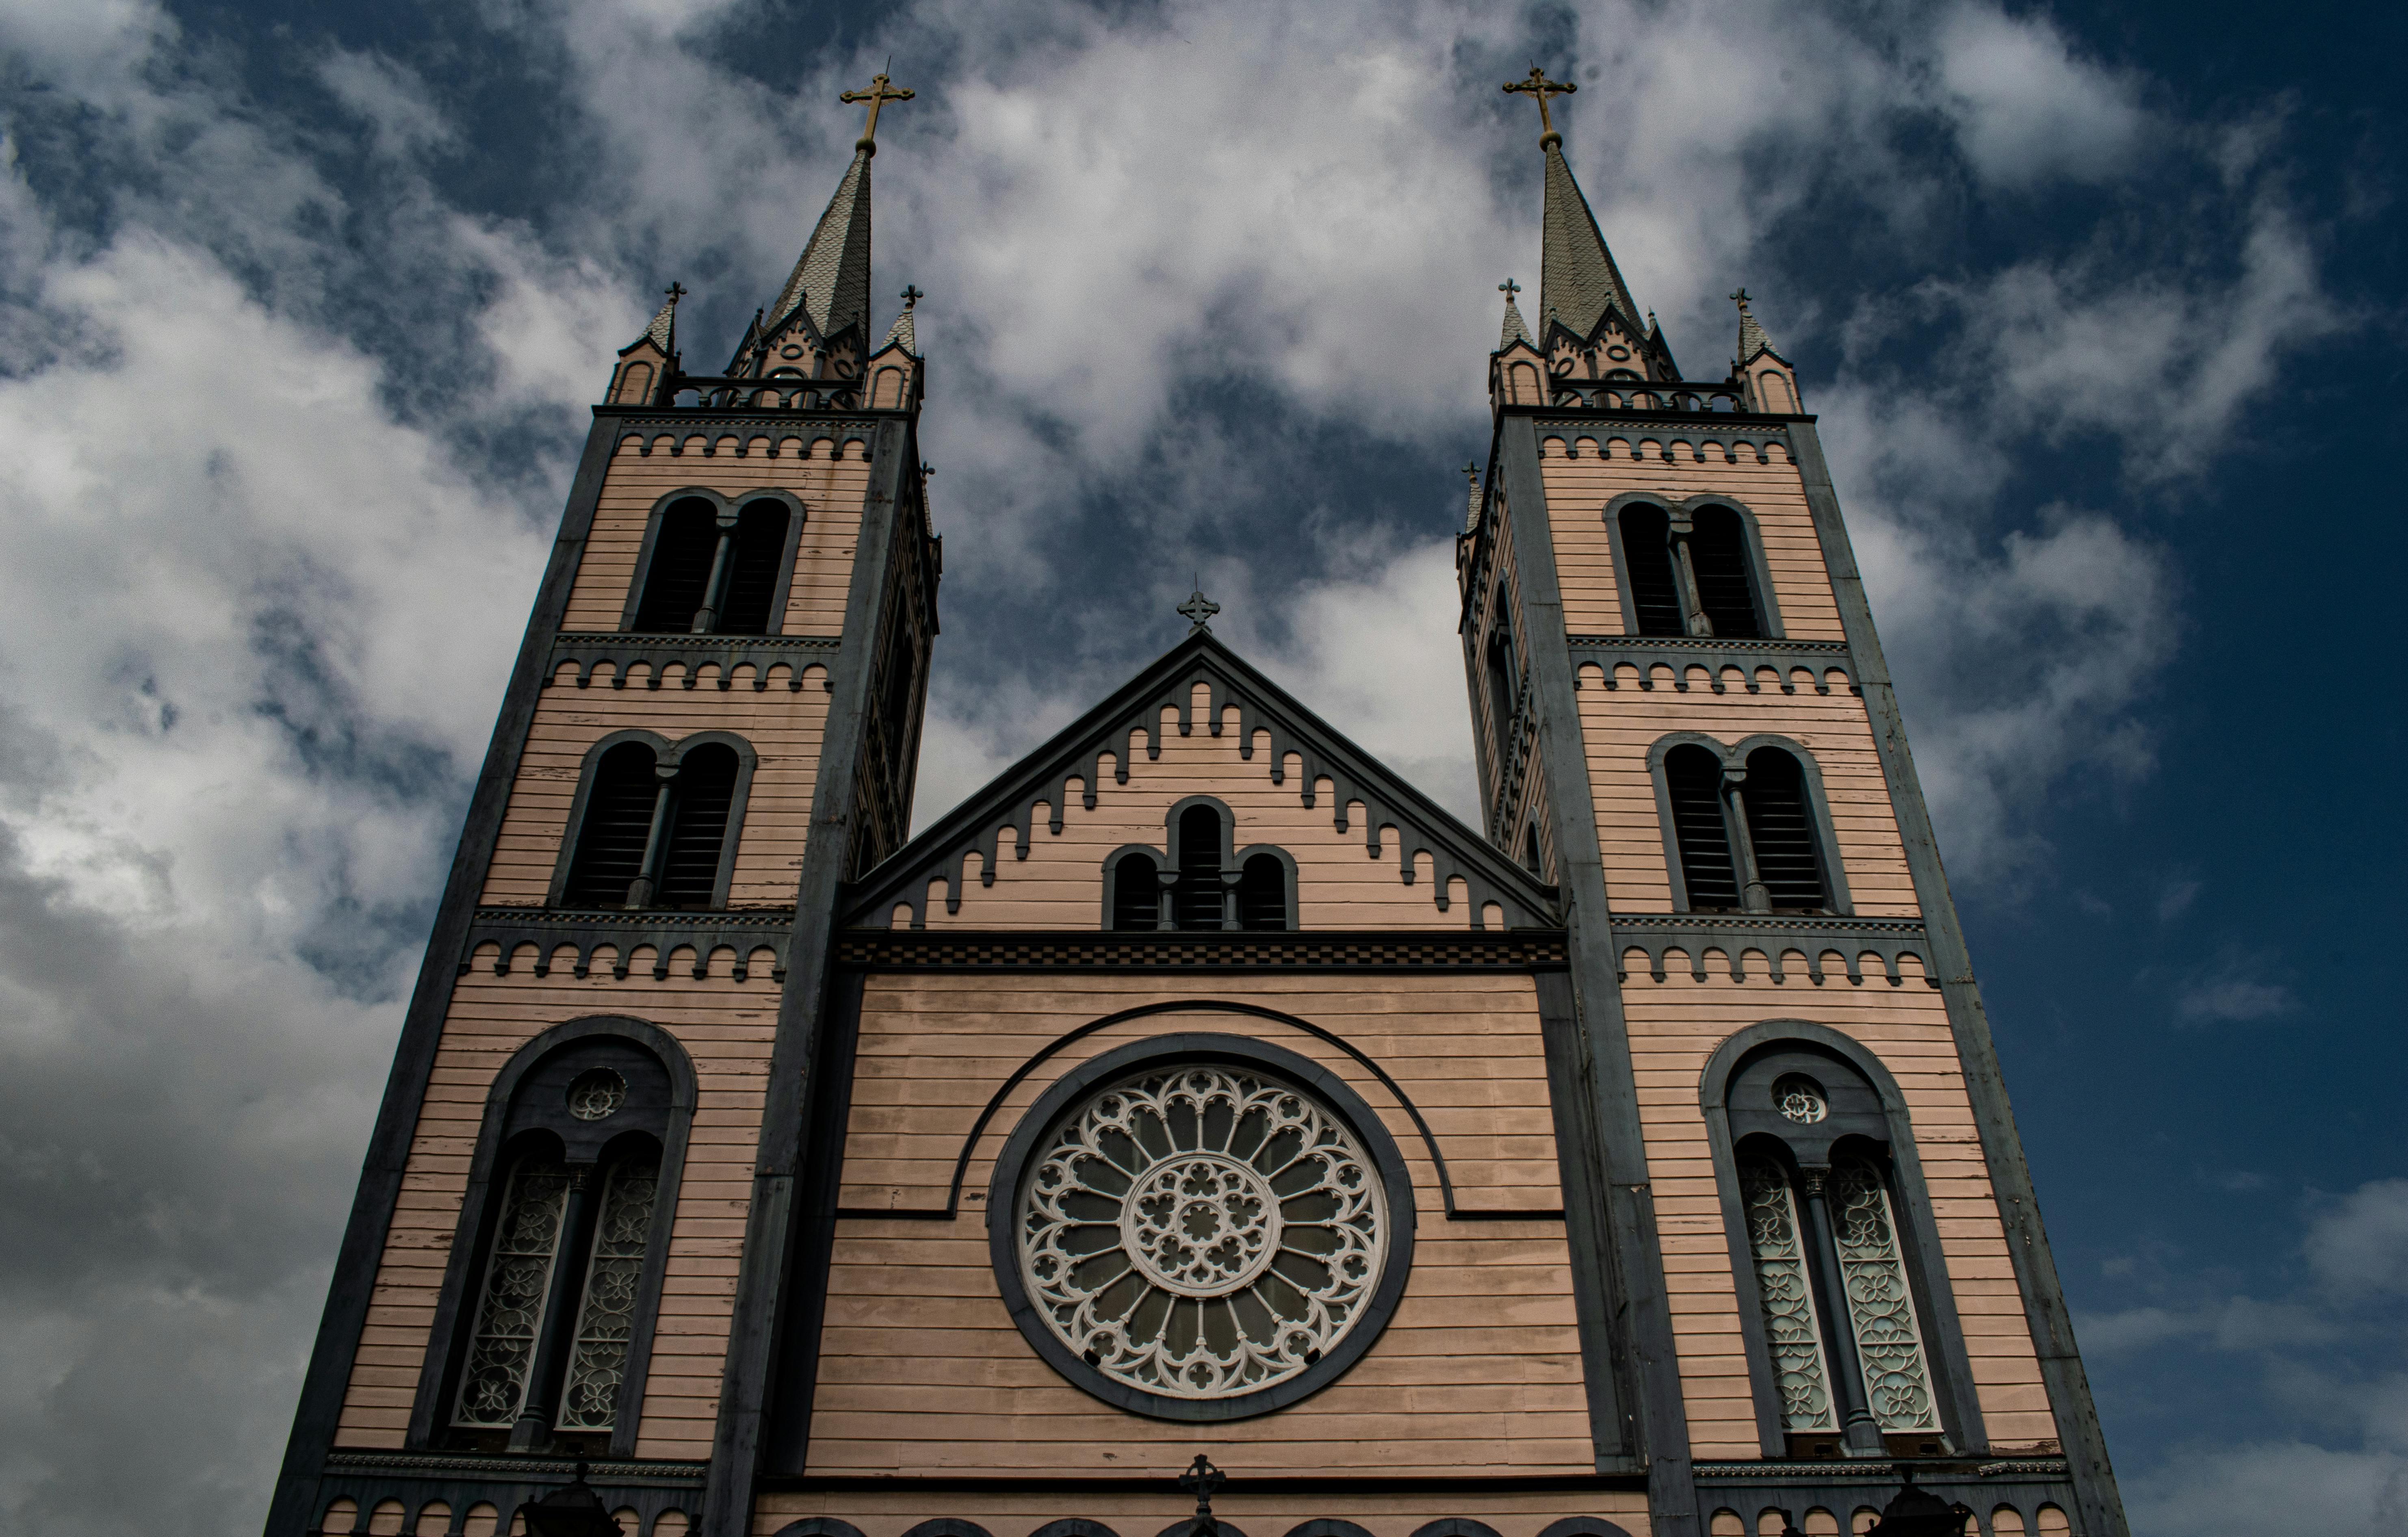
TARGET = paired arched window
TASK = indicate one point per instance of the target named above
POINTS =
(1210, 884)
(1747, 832)
(656, 824)
(712, 568)
(1691, 572)
(1841, 1301)
(550, 1303)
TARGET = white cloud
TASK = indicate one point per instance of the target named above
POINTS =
(2026, 108)
(2359, 1245)
(2235, 990)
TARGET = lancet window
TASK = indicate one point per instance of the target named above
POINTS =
(715, 569)
(1837, 1287)
(1745, 830)
(1691, 572)
(1208, 883)
(551, 1310)
(656, 824)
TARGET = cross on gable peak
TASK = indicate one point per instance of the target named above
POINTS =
(1197, 609)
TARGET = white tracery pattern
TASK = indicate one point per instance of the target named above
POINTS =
(1787, 1297)
(589, 1397)
(1800, 1099)
(1201, 1232)
(1897, 1385)
(596, 1093)
(509, 1316)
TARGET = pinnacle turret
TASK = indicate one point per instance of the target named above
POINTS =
(1753, 342)
(1516, 329)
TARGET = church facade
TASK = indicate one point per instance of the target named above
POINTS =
(1198, 1098)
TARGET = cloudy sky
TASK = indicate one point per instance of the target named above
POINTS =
(300, 306)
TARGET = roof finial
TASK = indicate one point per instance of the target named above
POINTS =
(912, 295)
(1752, 338)
(1540, 88)
(1199, 609)
(878, 95)
(1515, 329)
(1509, 288)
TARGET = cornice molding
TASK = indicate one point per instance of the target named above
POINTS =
(987, 950)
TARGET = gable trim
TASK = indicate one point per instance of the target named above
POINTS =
(1009, 801)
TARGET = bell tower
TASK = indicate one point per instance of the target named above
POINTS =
(1824, 1244)
(572, 1231)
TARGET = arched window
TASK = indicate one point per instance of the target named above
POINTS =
(1745, 836)
(1199, 898)
(1694, 777)
(656, 826)
(557, 1278)
(1262, 893)
(1725, 590)
(1504, 689)
(1647, 560)
(1137, 893)
(1836, 1285)
(714, 570)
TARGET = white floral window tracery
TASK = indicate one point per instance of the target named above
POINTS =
(1881, 1303)
(597, 1361)
(510, 1314)
(1786, 1295)
(1201, 1232)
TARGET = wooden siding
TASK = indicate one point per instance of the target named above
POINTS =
(1598, 465)
(1618, 725)
(923, 1371)
(1251, 1508)
(830, 489)
(1340, 883)
(1675, 1026)
(726, 1026)
(782, 725)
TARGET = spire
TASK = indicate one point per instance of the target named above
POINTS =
(831, 282)
(1471, 514)
(903, 331)
(661, 332)
(1577, 279)
(1515, 329)
(1752, 338)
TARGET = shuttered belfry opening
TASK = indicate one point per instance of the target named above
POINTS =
(1693, 776)
(698, 809)
(1718, 556)
(678, 576)
(759, 550)
(1647, 556)
(618, 821)
(1781, 829)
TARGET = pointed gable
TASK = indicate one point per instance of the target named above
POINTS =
(831, 279)
(1370, 851)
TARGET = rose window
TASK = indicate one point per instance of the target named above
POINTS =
(1201, 1232)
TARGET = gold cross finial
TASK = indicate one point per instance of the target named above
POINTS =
(1739, 296)
(878, 95)
(1538, 88)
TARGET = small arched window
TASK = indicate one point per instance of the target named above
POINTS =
(563, 1256)
(1647, 560)
(1836, 1285)
(1137, 893)
(655, 830)
(1746, 837)
(712, 571)
(1262, 893)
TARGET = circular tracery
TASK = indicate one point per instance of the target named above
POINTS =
(1201, 1232)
